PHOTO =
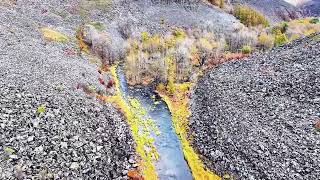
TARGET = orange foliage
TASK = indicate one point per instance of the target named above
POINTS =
(134, 175)
(223, 58)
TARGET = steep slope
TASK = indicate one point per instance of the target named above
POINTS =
(161, 16)
(255, 118)
(311, 8)
(70, 135)
(49, 128)
(274, 10)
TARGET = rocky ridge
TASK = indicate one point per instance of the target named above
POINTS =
(255, 118)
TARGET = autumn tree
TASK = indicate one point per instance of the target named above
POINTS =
(250, 16)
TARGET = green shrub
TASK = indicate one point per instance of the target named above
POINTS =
(179, 33)
(249, 16)
(98, 25)
(280, 38)
(41, 109)
(246, 49)
(314, 21)
(170, 87)
(145, 36)
(284, 27)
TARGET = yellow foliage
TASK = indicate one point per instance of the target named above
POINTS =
(170, 41)
(179, 33)
(179, 108)
(134, 114)
(250, 16)
(53, 35)
(82, 45)
(309, 31)
(161, 87)
(265, 40)
(206, 44)
(173, 57)
(145, 36)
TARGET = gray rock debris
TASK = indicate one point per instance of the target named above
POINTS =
(255, 118)
(34, 72)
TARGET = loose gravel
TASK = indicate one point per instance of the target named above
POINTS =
(74, 136)
(255, 118)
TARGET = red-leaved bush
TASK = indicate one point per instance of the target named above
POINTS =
(110, 83)
(101, 80)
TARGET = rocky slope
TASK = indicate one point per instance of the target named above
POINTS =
(274, 10)
(255, 118)
(76, 136)
(134, 17)
(311, 8)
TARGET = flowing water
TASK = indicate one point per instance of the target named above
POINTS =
(171, 164)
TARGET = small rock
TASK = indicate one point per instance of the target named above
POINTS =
(99, 148)
(74, 166)
(131, 161)
(124, 172)
(64, 145)
(30, 138)
(13, 156)
(38, 150)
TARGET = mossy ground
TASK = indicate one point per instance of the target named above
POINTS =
(53, 35)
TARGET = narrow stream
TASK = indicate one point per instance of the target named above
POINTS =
(171, 165)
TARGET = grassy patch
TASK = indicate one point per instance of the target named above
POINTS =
(317, 38)
(53, 35)
(98, 25)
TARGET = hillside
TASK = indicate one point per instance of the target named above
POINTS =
(100, 89)
(52, 125)
(255, 118)
(274, 10)
(49, 128)
(311, 8)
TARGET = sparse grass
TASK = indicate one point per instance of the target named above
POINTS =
(317, 38)
(8, 2)
(53, 35)
(246, 49)
(81, 44)
(85, 6)
(98, 25)
(265, 41)
(8, 150)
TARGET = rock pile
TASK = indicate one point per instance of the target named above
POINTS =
(256, 118)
